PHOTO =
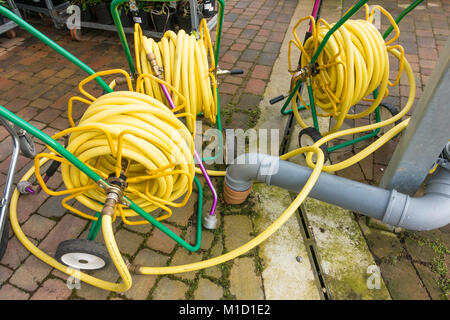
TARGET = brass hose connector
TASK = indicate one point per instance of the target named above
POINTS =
(135, 268)
(112, 199)
(114, 195)
(154, 64)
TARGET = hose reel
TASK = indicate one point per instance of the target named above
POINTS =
(134, 142)
(120, 142)
(352, 64)
(185, 63)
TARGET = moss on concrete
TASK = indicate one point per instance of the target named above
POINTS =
(342, 251)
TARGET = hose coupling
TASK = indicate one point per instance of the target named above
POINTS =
(108, 208)
(157, 70)
(112, 198)
(233, 71)
(114, 195)
(210, 222)
(302, 74)
(134, 268)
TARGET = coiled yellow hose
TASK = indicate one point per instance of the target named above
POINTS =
(353, 63)
(142, 131)
(106, 220)
(127, 133)
(184, 64)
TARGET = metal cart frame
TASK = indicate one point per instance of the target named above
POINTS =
(9, 25)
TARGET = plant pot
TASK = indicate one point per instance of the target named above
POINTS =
(145, 20)
(184, 22)
(102, 13)
(209, 8)
(125, 18)
(88, 15)
(38, 3)
(57, 2)
(162, 21)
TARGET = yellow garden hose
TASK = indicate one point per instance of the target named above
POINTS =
(182, 61)
(109, 240)
(353, 63)
(158, 148)
(130, 133)
(377, 143)
(123, 267)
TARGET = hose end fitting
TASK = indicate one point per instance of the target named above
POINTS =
(108, 208)
(113, 195)
(154, 64)
(134, 268)
(210, 222)
(235, 197)
(22, 186)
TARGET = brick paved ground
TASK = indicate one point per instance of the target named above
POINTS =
(36, 83)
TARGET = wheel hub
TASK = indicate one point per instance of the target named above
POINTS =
(81, 260)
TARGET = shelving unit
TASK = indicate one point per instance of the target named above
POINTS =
(56, 12)
(59, 16)
(9, 25)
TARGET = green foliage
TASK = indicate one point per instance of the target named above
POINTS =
(145, 6)
(84, 4)
(4, 3)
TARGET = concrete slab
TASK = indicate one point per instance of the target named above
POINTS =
(284, 276)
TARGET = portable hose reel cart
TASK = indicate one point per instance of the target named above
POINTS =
(130, 154)
(330, 99)
(138, 140)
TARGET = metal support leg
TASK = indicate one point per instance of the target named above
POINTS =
(426, 135)
(194, 16)
(10, 178)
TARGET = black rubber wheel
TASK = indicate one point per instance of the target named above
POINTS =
(83, 254)
(308, 137)
(27, 146)
(4, 239)
(387, 111)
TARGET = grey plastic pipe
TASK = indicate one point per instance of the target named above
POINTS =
(431, 211)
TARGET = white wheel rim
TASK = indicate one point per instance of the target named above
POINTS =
(81, 260)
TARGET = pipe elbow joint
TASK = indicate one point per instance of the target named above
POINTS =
(241, 173)
(431, 211)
